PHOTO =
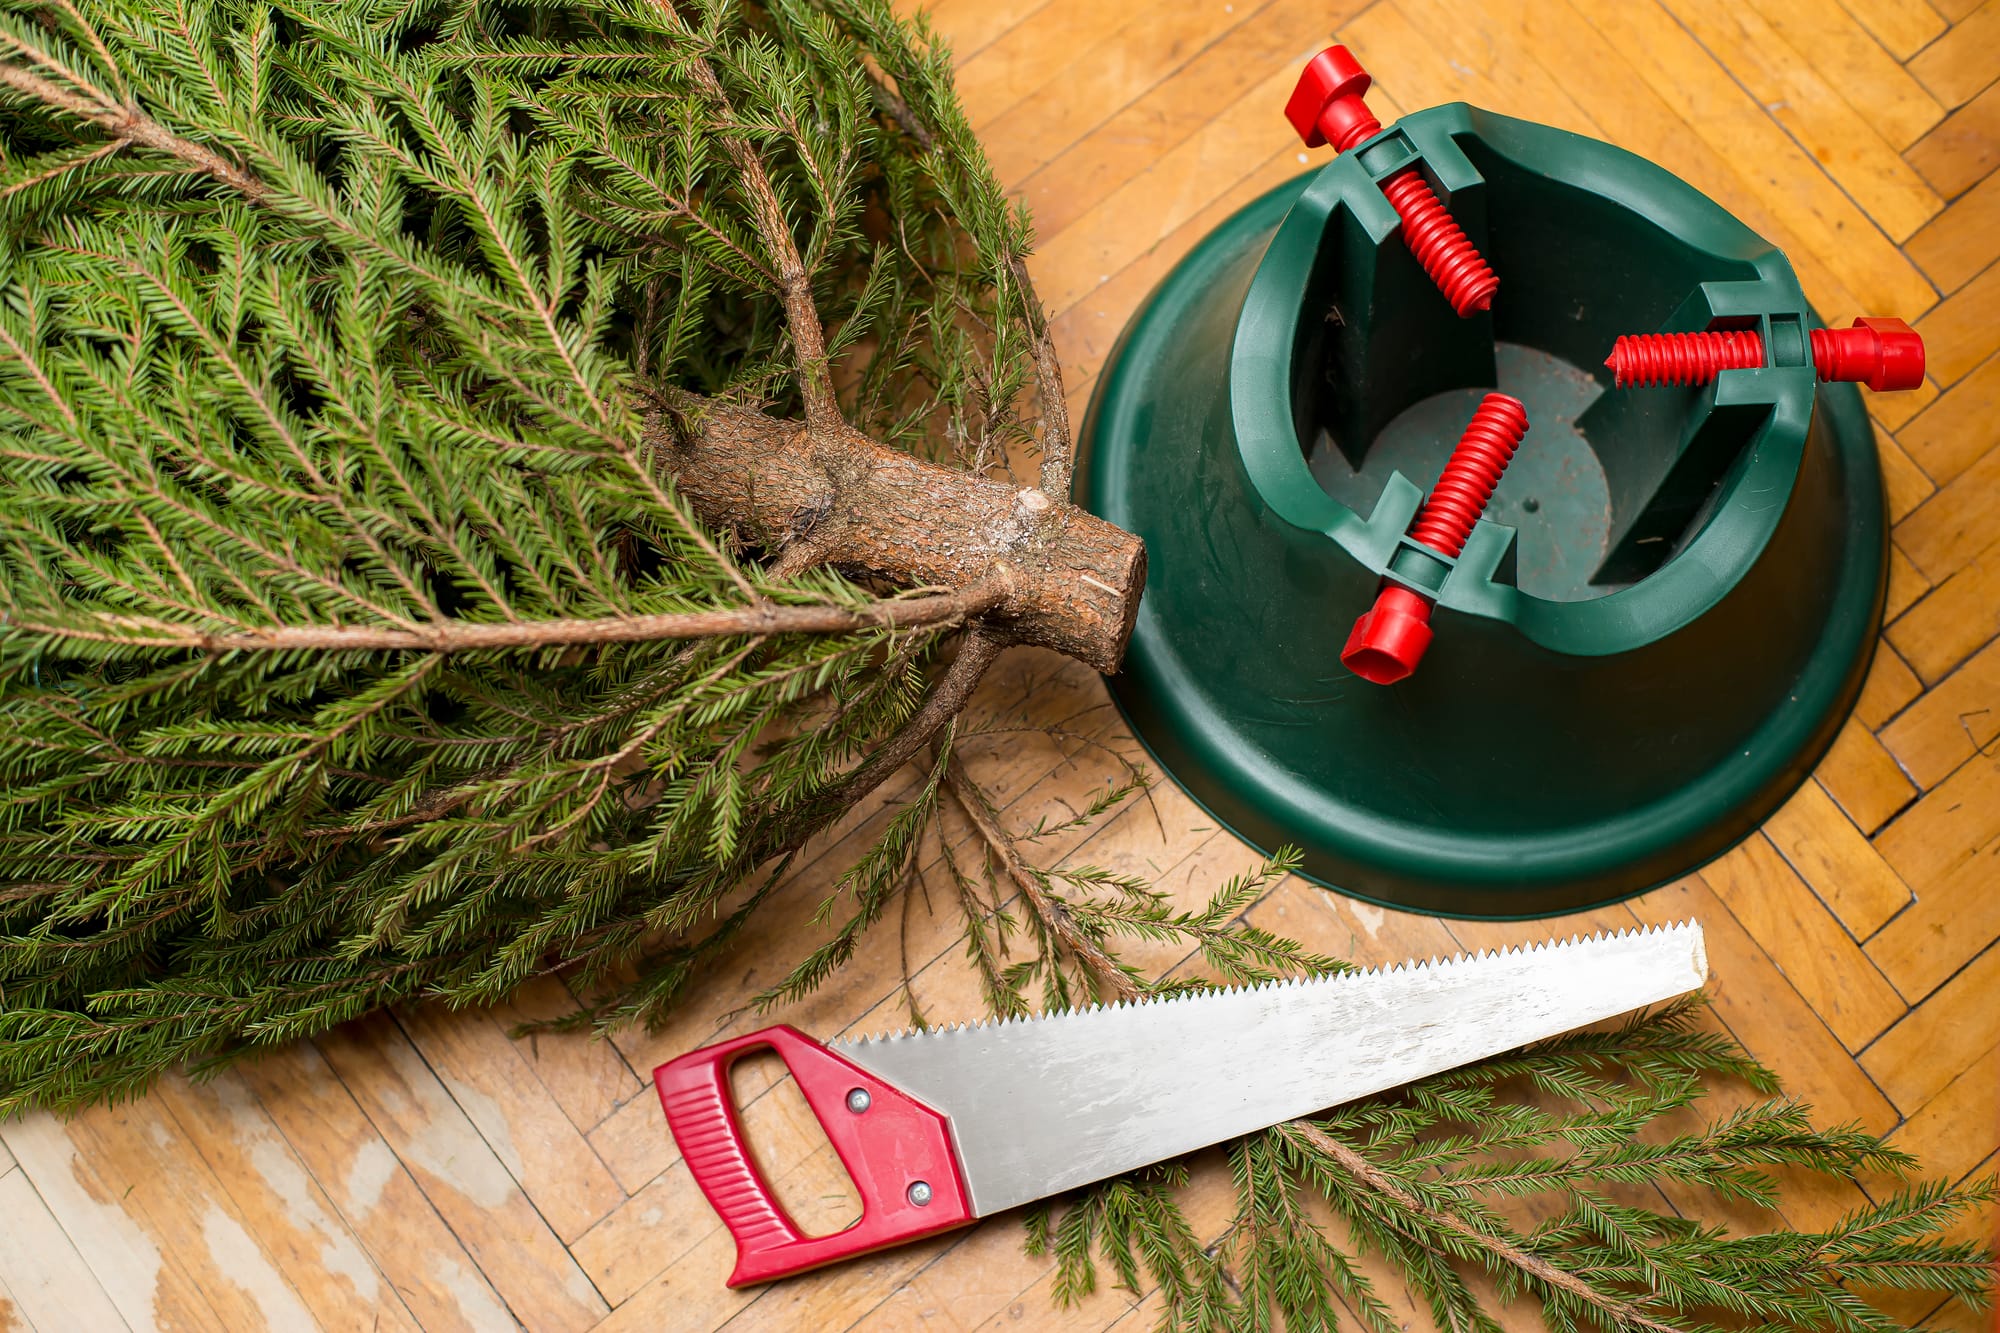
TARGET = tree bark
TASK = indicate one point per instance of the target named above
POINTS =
(1074, 580)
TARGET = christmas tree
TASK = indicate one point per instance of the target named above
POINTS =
(481, 483)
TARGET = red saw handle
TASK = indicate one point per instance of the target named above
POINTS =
(897, 1150)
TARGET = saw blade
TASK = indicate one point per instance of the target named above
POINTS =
(1044, 1104)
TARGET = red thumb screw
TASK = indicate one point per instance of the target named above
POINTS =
(1884, 354)
(1326, 107)
(1389, 639)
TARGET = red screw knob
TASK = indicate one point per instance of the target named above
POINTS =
(1326, 107)
(1389, 639)
(1884, 354)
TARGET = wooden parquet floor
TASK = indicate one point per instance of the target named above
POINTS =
(429, 1171)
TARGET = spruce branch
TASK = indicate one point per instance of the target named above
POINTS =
(458, 636)
(939, 128)
(126, 124)
(1616, 1312)
(794, 282)
(1052, 915)
(899, 110)
(977, 651)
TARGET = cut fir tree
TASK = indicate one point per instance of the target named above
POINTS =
(483, 486)
(483, 483)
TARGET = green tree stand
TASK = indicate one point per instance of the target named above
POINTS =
(1648, 641)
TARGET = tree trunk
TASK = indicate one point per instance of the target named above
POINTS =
(1074, 580)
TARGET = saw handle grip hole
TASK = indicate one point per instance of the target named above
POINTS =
(789, 1149)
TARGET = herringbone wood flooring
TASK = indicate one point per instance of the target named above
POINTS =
(429, 1171)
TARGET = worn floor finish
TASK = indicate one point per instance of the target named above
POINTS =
(429, 1171)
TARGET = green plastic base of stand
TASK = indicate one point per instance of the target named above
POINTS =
(1644, 648)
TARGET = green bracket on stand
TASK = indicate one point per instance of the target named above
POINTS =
(1645, 645)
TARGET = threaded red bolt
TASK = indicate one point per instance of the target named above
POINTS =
(1682, 358)
(1326, 107)
(1389, 639)
(1884, 354)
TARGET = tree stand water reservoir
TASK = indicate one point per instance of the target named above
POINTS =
(1646, 643)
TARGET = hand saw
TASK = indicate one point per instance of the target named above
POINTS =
(939, 1128)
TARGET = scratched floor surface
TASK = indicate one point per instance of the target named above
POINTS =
(429, 1171)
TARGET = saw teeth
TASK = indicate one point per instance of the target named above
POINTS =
(1354, 975)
